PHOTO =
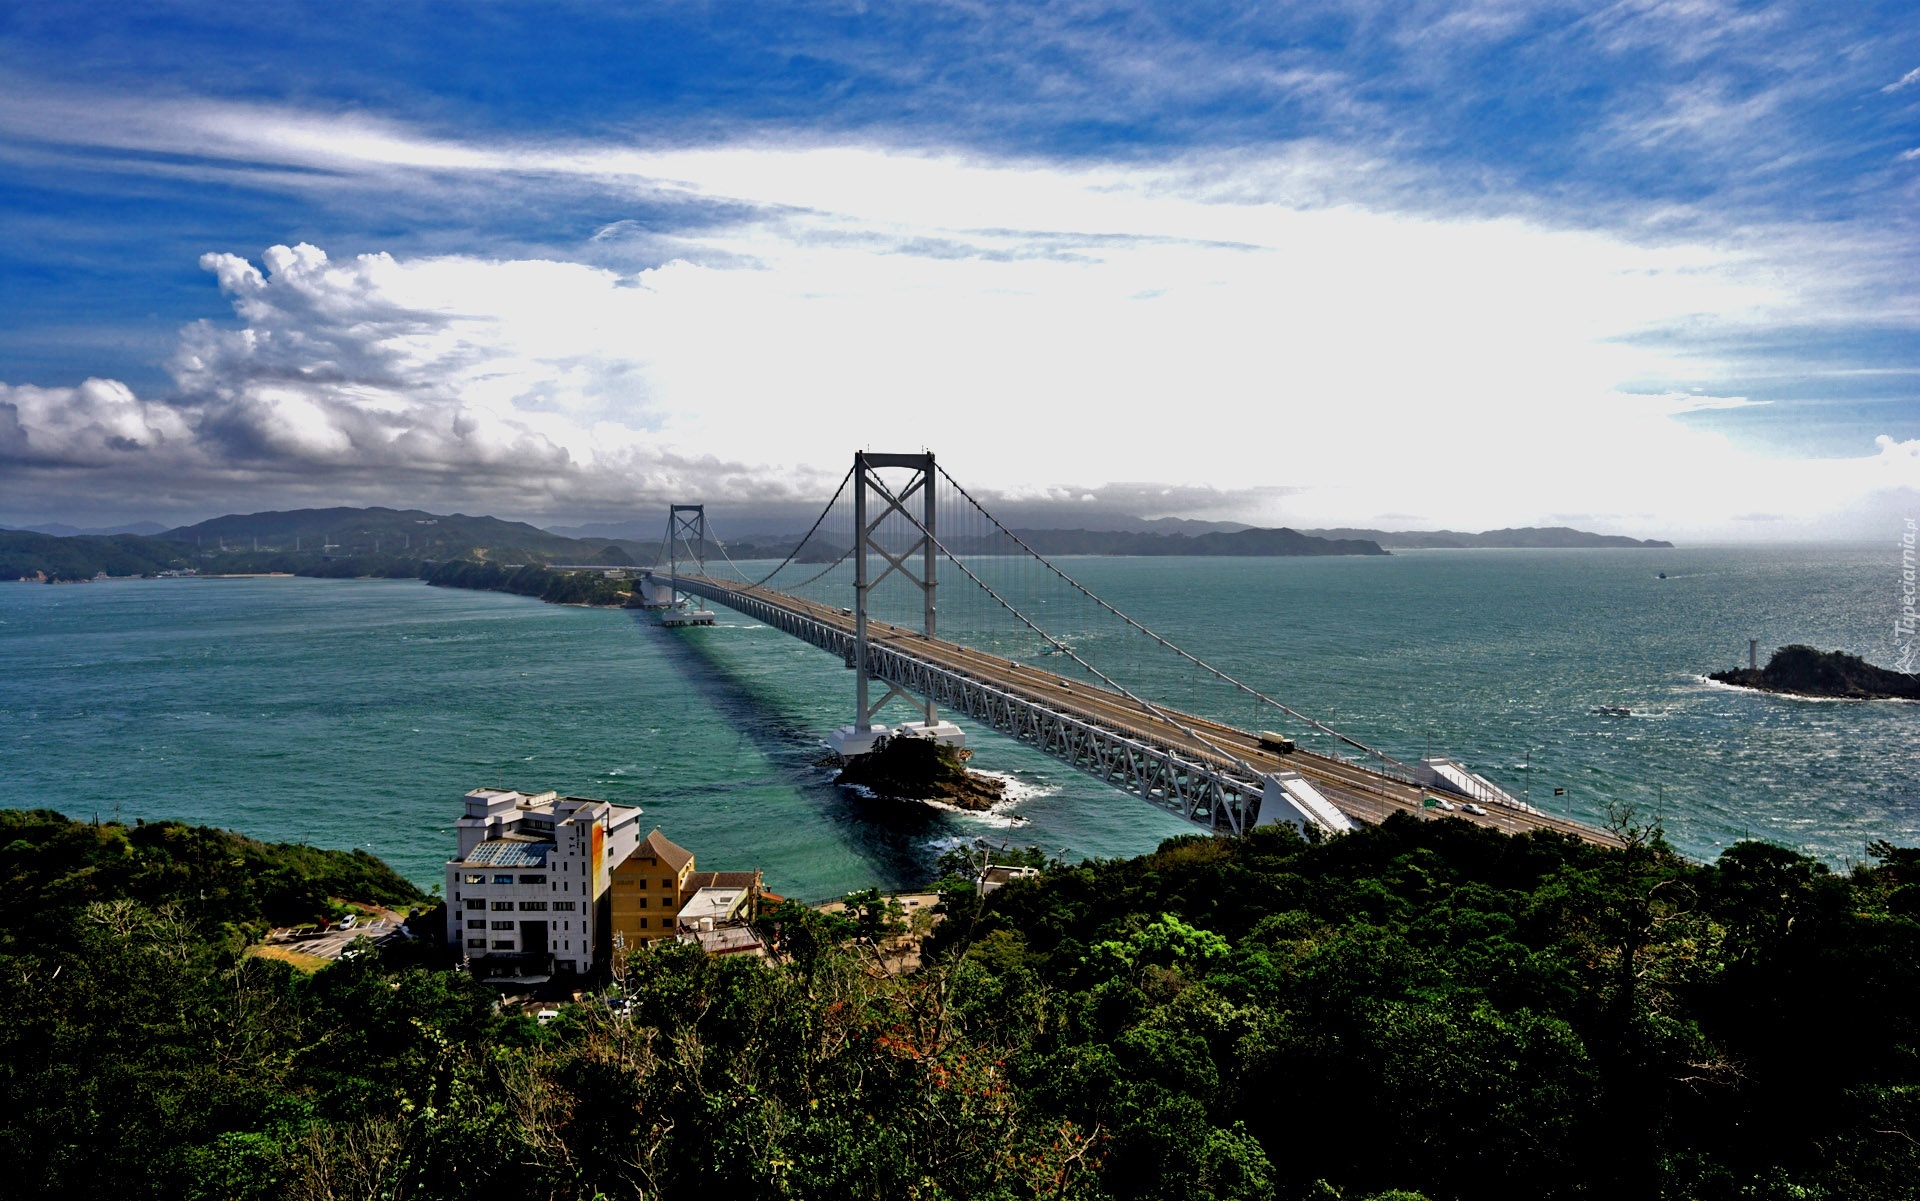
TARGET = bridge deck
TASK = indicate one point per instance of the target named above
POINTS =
(1361, 792)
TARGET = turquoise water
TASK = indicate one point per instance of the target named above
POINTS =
(355, 713)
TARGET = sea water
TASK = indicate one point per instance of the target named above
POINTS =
(354, 713)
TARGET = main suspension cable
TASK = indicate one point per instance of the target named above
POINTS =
(1194, 659)
(1063, 649)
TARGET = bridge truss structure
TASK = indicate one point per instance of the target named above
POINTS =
(896, 520)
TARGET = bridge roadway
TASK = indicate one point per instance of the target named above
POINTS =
(1360, 792)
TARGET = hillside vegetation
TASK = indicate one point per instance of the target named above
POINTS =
(310, 542)
(52, 868)
(1423, 1009)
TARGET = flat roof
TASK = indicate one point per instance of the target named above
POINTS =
(727, 940)
(510, 852)
(716, 903)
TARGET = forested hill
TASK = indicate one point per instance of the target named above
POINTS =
(24, 554)
(1425, 1009)
(52, 868)
(1435, 1006)
(414, 533)
(324, 542)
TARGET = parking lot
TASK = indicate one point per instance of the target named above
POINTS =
(331, 944)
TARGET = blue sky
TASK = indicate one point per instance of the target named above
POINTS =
(617, 252)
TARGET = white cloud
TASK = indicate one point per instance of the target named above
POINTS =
(97, 424)
(1210, 324)
(1905, 81)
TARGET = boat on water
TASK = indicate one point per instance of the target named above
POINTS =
(1613, 710)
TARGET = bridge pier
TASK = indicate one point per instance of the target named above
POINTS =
(849, 741)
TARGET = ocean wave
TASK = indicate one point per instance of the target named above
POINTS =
(1797, 696)
(999, 815)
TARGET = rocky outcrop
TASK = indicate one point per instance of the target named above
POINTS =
(920, 769)
(1805, 671)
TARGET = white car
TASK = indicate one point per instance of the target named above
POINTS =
(1476, 810)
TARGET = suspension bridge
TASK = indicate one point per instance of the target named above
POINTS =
(1115, 699)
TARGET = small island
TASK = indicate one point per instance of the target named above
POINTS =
(920, 769)
(1805, 671)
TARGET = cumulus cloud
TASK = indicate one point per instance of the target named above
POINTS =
(1037, 324)
(453, 380)
(97, 424)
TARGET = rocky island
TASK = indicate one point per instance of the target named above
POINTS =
(920, 769)
(1805, 671)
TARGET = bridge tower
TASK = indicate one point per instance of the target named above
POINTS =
(688, 522)
(918, 563)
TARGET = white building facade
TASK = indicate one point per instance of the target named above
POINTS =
(527, 894)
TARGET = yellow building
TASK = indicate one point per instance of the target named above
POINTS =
(649, 886)
(653, 883)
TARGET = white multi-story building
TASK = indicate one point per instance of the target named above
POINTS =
(527, 894)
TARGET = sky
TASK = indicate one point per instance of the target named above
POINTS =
(1645, 268)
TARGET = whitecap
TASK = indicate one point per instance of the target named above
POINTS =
(1795, 696)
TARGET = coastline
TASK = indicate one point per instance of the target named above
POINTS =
(1749, 690)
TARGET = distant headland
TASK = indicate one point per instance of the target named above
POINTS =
(374, 541)
(1556, 537)
(1804, 671)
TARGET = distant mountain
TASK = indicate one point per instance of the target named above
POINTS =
(413, 533)
(1243, 542)
(309, 541)
(62, 530)
(649, 532)
(1551, 537)
(629, 531)
(25, 554)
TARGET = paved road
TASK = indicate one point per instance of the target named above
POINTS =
(1359, 791)
(331, 943)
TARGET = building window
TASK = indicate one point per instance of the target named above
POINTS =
(643, 902)
(476, 902)
(500, 905)
(568, 905)
(473, 878)
(537, 878)
(643, 923)
(529, 906)
(505, 878)
(503, 944)
(503, 925)
(667, 884)
(478, 944)
(476, 923)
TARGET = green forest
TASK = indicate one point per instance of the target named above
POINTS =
(22, 556)
(1423, 1009)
